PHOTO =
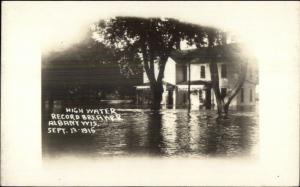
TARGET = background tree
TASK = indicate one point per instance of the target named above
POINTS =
(218, 50)
(85, 72)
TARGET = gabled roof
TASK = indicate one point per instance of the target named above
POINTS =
(223, 53)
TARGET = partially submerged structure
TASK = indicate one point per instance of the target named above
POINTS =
(178, 84)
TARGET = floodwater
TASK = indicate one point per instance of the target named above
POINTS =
(164, 133)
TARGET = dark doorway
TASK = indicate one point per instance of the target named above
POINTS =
(170, 97)
(200, 97)
(208, 99)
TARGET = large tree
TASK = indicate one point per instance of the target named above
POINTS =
(219, 51)
(147, 41)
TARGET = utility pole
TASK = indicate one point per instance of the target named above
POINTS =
(189, 86)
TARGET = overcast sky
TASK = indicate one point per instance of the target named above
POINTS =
(262, 25)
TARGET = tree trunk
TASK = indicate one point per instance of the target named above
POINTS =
(238, 85)
(189, 86)
(226, 108)
(157, 91)
(223, 103)
(214, 73)
(219, 106)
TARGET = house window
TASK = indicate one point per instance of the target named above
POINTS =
(251, 96)
(184, 73)
(202, 73)
(242, 95)
(223, 71)
(223, 92)
(184, 98)
(250, 73)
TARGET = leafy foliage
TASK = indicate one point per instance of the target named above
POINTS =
(85, 70)
(147, 41)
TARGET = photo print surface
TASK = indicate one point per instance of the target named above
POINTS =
(150, 93)
(154, 87)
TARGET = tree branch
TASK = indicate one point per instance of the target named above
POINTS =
(149, 71)
(162, 65)
(152, 64)
(215, 79)
(230, 95)
(164, 58)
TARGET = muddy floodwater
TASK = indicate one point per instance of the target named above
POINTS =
(163, 133)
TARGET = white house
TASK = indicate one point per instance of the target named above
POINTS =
(176, 78)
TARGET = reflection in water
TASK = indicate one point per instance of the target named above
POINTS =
(183, 133)
(169, 132)
(155, 137)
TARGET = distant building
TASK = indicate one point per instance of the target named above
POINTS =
(176, 78)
